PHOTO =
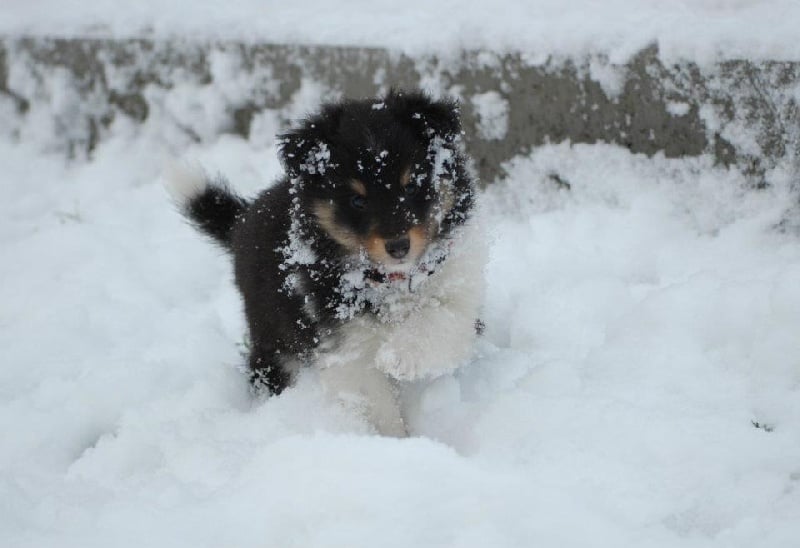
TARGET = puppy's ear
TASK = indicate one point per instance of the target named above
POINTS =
(434, 118)
(306, 149)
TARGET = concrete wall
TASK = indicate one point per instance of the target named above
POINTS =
(744, 114)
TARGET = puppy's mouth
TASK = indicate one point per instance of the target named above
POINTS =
(391, 272)
(382, 275)
(376, 277)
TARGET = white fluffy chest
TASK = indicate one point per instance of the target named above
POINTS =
(420, 334)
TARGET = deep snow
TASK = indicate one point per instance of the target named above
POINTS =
(638, 383)
(642, 315)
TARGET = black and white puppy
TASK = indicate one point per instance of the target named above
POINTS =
(364, 260)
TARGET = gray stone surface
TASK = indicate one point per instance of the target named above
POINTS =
(744, 114)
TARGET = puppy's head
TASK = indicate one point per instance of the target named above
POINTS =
(383, 177)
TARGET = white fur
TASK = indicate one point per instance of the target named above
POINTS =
(184, 182)
(367, 391)
(365, 362)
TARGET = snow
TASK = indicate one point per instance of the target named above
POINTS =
(702, 30)
(642, 318)
(492, 112)
(676, 108)
(638, 382)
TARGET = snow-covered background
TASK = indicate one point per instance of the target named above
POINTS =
(638, 383)
(697, 29)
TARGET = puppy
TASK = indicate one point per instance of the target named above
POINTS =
(364, 260)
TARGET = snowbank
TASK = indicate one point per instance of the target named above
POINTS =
(637, 384)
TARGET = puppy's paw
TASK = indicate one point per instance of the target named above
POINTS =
(364, 390)
(408, 358)
(398, 362)
(391, 426)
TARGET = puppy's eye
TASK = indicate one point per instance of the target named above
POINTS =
(410, 190)
(357, 201)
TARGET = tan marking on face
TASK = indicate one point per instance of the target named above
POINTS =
(431, 227)
(376, 249)
(405, 178)
(358, 187)
(326, 219)
(418, 235)
(447, 197)
(444, 204)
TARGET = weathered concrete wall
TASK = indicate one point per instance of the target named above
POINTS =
(745, 115)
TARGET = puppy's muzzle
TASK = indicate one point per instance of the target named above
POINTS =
(398, 248)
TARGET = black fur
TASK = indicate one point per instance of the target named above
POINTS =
(215, 211)
(290, 305)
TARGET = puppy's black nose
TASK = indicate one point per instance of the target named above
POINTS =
(398, 248)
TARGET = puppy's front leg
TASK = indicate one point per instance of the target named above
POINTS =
(359, 386)
(267, 372)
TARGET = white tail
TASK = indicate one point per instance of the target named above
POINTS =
(184, 182)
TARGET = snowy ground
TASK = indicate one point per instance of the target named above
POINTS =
(640, 323)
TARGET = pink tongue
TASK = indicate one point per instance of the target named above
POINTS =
(394, 276)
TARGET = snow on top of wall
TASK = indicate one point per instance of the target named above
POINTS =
(703, 30)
